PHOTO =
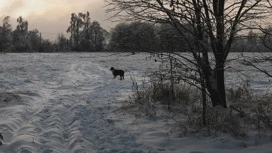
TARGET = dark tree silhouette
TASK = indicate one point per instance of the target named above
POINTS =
(213, 27)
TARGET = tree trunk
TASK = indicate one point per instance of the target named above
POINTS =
(220, 79)
(215, 84)
(217, 81)
(204, 99)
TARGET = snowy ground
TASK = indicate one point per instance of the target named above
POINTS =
(64, 103)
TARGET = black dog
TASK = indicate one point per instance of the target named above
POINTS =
(116, 72)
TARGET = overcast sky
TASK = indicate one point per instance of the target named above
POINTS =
(51, 17)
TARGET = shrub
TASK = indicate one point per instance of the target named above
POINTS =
(161, 93)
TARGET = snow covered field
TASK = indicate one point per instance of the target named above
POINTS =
(64, 103)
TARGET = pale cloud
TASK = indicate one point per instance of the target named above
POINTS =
(51, 17)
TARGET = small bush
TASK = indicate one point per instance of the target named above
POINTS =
(157, 92)
(218, 119)
(253, 109)
(239, 94)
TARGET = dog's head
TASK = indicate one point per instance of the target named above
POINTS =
(112, 68)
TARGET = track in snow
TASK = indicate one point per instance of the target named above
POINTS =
(63, 106)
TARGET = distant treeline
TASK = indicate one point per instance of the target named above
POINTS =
(85, 36)
(162, 37)
(89, 36)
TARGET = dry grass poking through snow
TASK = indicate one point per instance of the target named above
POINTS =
(254, 110)
(247, 111)
(151, 97)
(9, 97)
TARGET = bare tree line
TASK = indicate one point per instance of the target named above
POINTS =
(85, 36)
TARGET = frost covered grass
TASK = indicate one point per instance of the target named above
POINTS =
(253, 109)
(148, 95)
(248, 111)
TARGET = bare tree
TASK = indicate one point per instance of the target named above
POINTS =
(133, 37)
(21, 40)
(62, 42)
(76, 24)
(208, 26)
(5, 34)
(258, 61)
(86, 35)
